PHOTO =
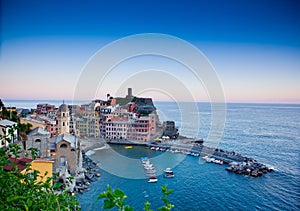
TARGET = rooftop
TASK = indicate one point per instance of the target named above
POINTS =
(7, 123)
(38, 131)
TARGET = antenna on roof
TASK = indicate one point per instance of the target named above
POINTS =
(63, 101)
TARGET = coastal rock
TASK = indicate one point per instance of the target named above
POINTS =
(91, 173)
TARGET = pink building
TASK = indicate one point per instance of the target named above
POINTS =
(44, 108)
(139, 129)
(116, 128)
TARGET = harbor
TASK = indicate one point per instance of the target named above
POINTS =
(206, 185)
(236, 162)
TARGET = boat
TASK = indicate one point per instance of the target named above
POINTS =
(128, 147)
(152, 179)
(168, 173)
(150, 171)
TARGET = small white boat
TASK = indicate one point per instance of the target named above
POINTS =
(149, 165)
(150, 170)
(168, 173)
(168, 170)
(152, 179)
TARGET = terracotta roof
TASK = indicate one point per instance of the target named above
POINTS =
(19, 162)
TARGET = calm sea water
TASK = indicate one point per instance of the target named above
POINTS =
(32, 103)
(268, 133)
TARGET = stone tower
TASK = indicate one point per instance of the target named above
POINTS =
(64, 119)
(129, 94)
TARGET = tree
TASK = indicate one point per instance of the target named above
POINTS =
(5, 114)
(22, 191)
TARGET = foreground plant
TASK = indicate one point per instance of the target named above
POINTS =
(23, 191)
(116, 198)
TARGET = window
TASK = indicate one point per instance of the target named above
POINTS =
(62, 161)
(63, 146)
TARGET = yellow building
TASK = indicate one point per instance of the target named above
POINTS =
(34, 122)
(40, 165)
(43, 166)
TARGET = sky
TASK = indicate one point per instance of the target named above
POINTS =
(253, 46)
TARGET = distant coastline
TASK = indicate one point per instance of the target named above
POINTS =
(30, 104)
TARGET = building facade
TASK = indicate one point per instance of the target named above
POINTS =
(67, 153)
(39, 139)
(88, 126)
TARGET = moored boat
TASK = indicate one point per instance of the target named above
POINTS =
(168, 173)
(152, 179)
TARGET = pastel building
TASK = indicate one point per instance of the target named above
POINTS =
(44, 167)
(51, 125)
(34, 121)
(44, 108)
(139, 129)
(88, 126)
(116, 128)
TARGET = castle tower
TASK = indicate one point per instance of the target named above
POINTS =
(129, 94)
(64, 119)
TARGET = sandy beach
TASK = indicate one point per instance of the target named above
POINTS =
(91, 143)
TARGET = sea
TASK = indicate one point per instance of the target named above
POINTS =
(269, 133)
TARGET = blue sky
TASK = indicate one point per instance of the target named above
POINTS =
(254, 46)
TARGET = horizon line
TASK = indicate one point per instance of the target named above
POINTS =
(182, 101)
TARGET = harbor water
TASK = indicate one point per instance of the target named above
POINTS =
(268, 133)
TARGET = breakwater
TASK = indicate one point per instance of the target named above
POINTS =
(238, 163)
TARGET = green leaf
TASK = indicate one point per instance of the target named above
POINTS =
(12, 198)
(108, 204)
(147, 205)
(102, 195)
(108, 188)
(57, 185)
(128, 208)
(169, 191)
(120, 194)
(163, 208)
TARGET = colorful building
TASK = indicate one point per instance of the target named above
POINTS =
(88, 126)
(44, 167)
